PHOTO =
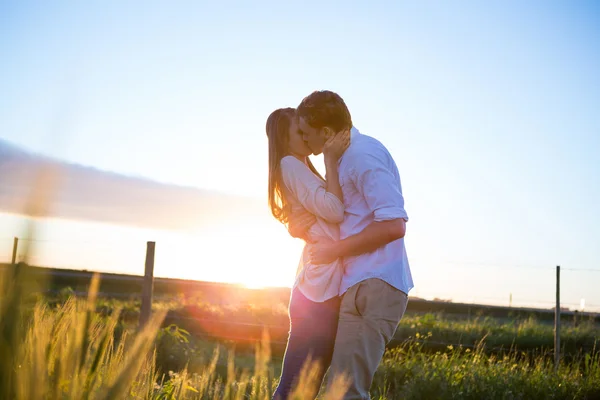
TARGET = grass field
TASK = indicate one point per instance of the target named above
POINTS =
(244, 324)
(232, 313)
(72, 348)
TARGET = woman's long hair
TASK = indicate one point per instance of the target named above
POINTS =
(278, 133)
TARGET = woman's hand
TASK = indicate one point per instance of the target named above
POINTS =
(323, 253)
(299, 223)
(336, 146)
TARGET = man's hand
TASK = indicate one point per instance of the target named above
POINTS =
(324, 253)
(299, 223)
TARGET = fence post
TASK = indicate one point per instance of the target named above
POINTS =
(148, 285)
(14, 253)
(557, 321)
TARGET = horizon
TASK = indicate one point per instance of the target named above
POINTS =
(57, 248)
(58, 271)
(489, 110)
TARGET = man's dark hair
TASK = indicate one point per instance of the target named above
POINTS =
(325, 108)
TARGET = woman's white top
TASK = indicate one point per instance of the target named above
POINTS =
(305, 190)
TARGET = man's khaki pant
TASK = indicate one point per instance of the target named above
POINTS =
(369, 314)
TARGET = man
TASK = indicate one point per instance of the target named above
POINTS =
(377, 276)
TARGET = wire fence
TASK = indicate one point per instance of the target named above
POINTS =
(177, 259)
(211, 327)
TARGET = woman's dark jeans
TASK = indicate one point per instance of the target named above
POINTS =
(313, 327)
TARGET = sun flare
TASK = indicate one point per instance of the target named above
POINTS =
(255, 252)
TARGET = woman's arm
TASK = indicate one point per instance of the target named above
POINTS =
(332, 178)
(311, 191)
(332, 151)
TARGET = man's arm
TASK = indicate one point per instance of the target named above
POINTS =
(381, 188)
(377, 234)
(374, 236)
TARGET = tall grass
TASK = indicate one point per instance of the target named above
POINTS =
(69, 351)
(72, 352)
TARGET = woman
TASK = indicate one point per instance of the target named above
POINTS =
(294, 184)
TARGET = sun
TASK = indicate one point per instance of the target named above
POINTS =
(254, 252)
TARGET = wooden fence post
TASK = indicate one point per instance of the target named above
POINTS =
(14, 253)
(148, 285)
(557, 321)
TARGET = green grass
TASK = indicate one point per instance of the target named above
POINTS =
(522, 334)
(66, 349)
(408, 373)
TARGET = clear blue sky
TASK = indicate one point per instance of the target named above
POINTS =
(490, 108)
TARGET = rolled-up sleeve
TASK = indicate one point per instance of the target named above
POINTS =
(377, 179)
(310, 191)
